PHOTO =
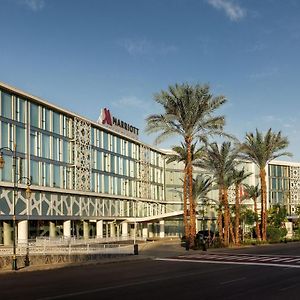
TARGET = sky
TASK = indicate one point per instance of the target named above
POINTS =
(84, 55)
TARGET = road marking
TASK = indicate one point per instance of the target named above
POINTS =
(230, 262)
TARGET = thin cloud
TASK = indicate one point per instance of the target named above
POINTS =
(234, 11)
(145, 47)
(130, 101)
(256, 47)
(264, 74)
(34, 5)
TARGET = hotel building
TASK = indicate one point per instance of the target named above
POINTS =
(95, 179)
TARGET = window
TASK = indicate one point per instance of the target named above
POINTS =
(46, 174)
(20, 110)
(56, 148)
(105, 141)
(20, 139)
(34, 171)
(6, 105)
(46, 119)
(7, 169)
(46, 146)
(5, 134)
(56, 122)
(106, 184)
(56, 176)
(34, 115)
(66, 152)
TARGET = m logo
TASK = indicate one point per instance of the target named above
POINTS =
(106, 117)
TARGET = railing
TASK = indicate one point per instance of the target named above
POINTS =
(69, 246)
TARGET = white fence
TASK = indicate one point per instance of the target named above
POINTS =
(69, 246)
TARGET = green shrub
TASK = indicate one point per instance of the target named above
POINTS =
(275, 234)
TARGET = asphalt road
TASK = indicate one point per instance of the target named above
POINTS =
(148, 278)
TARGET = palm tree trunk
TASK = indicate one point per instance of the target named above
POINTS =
(237, 215)
(226, 217)
(220, 215)
(262, 175)
(185, 220)
(256, 220)
(232, 232)
(188, 141)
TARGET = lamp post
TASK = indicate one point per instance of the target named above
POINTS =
(15, 190)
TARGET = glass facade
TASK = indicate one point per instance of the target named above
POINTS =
(44, 138)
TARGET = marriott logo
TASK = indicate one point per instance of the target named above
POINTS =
(107, 119)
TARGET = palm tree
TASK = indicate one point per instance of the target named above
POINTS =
(238, 177)
(189, 113)
(253, 192)
(221, 161)
(261, 149)
(180, 155)
(202, 185)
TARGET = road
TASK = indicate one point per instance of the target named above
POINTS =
(168, 272)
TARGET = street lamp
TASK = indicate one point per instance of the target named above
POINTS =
(15, 190)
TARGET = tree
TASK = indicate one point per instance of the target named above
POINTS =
(189, 112)
(253, 192)
(238, 177)
(180, 155)
(261, 149)
(221, 162)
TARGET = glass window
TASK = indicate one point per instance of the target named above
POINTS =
(112, 164)
(20, 139)
(34, 115)
(118, 145)
(99, 160)
(56, 148)
(92, 136)
(33, 142)
(6, 105)
(34, 171)
(56, 122)
(125, 166)
(106, 184)
(46, 146)
(56, 176)
(129, 149)
(66, 126)
(46, 174)
(66, 152)
(4, 134)
(20, 111)
(46, 119)
(93, 182)
(105, 140)
(7, 169)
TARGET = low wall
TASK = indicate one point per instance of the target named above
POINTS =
(35, 260)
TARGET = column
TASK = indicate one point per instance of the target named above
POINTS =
(86, 230)
(22, 232)
(67, 229)
(1, 235)
(145, 230)
(150, 230)
(161, 228)
(7, 230)
(99, 229)
(124, 229)
(132, 232)
(52, 229)
(112, 229)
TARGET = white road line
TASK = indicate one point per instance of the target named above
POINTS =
(231, 263)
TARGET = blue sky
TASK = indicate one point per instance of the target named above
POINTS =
(84, 55)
